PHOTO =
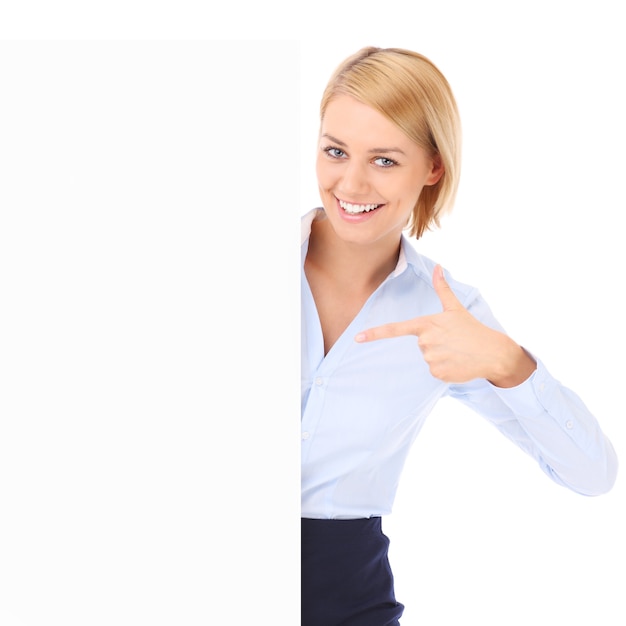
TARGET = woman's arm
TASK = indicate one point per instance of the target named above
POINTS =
(497, 378)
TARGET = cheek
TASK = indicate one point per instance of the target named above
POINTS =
(319, 172)
(324, 174)
(411, 193)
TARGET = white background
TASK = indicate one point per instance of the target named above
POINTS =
(122, 503)
(479, 533)
(148, 341)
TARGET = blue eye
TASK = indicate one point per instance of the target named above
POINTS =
(385, 162)
(335, 153)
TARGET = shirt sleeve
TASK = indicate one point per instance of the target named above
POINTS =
(548, 421)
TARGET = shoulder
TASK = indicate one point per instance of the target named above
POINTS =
(422, 267)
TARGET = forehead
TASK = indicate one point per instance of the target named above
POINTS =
(354, 122)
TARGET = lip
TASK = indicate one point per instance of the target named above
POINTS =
(356, 218)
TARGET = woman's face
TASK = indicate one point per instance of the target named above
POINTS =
(370, 174)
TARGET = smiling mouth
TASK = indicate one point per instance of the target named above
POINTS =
(354, 209)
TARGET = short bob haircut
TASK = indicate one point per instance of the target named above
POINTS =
(409, 90)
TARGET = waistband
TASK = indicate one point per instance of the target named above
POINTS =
(341, 526)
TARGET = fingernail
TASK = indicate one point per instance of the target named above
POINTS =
(360, 337)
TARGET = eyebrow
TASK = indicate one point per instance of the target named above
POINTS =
(372, 150)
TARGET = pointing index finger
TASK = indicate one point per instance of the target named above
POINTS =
(387, 331)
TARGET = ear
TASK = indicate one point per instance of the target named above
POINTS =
(436, 172)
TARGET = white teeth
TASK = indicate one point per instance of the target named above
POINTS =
(357, 208)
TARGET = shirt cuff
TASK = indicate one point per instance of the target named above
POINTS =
(541, 396)
(531, 397)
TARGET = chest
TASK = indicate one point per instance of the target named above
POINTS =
(336, 308)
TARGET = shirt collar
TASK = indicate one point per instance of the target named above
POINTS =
(306, 221)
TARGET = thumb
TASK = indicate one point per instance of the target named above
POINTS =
(449, 301)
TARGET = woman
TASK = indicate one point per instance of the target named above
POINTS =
(386, 333)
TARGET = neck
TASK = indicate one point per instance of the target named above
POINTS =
(353, 265)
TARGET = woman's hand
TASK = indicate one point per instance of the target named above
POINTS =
(456, 346)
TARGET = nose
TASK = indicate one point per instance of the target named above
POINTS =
(354, 181)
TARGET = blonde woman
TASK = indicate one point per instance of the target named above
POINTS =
(386, 333)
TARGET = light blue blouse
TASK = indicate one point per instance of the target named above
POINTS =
(364, 404)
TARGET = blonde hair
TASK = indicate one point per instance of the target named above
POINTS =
(409, 90)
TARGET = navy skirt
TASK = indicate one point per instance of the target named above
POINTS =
(346, 577)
